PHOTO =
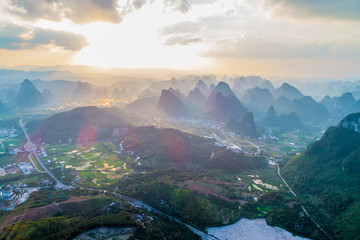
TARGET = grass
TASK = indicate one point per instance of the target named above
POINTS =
(94, 156)
(32, 180)
(36, 163)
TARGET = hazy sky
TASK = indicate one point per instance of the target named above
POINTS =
(298, 38)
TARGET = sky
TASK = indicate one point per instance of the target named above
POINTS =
(295, 38)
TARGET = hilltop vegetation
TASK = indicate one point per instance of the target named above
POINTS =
(84, 124)
(167, 148)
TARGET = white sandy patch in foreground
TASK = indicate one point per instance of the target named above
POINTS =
(247, 229)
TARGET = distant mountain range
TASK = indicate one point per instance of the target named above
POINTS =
(28, 96)
(194, 96)
(340, 106)
(221, 105)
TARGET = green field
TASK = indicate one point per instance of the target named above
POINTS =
(96, 164)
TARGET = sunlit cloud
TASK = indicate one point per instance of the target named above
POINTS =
(79, 11)
(184, 34)
(17, 37)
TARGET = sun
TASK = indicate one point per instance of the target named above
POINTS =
(137, 43)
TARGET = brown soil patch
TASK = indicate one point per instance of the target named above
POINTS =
(205, 191)
(37, 213)
(240, 184)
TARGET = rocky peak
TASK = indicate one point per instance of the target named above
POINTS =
(351, 122)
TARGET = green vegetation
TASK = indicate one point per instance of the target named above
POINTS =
(181, 174)
(158, 190)
(164, 228)
(97, 164)
(167, 148)
(73, 217)
(326, 177)
(232, 162)
(280, 209)
(64, 227)
(84, 125)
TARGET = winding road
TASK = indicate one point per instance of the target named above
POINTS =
(31, 148)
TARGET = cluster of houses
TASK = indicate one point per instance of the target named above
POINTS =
(25, 167)
(123, 151)
(15, 150)
(9, 132)
(13, 195)
(265, 137)
(203, 122)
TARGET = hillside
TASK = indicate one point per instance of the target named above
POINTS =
(245, 127)
(326, 177)
(28, 96)
(167, 148)
(84, 125)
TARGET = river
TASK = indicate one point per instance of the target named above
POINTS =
(251, 229)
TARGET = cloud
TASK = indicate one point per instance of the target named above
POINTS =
(83, 11)
(182, 40)
(182, 6)
(347, 10)
(138, 3)
(16, 37)
(78, 11)
(252, 48)
(181, 28)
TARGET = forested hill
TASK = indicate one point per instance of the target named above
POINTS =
(327, 178)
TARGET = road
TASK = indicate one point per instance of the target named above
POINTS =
(31, 148)
(303, 208)
(277, 165)
(202, 234)
(258, 150)
(2, 145)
